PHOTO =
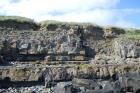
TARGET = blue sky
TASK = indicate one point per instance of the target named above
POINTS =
(124, 13)
(129, 4)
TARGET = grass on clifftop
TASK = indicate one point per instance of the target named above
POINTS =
(54, 22)
(16, 21)
(52, 25)
(47, 22)
(16, 18)
(133, 34)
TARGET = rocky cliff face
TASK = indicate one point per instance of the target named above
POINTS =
(66, 73)
(20, 73)
(75, 42)
(40, 43)
(108, 53)
(84, 40)
(126, 48)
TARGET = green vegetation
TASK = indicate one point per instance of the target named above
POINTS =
(17, 23)
(16, 18)
(133, 34)
(54, 22)
(48, 22)
(135, 37)
(53, 25)
(84, 65)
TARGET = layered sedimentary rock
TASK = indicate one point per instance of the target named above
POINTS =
(82, 40)
(77, 42)
(112, 59)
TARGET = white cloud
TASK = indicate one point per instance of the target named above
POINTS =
(124, 23)
(98, 16)
(95, 11)
(35, 7)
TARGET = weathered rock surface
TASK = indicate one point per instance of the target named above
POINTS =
(21, 73)
(126, 48)
(86, 40)
(63, 87)
(25, 56)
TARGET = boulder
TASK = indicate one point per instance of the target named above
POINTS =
(87, 83)
(63, 87)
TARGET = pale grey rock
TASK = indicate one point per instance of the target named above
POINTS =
(63, 87)
(125, 48)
